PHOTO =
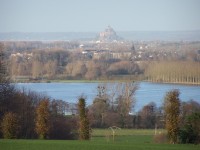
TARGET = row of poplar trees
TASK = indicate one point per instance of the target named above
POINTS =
(174, 72)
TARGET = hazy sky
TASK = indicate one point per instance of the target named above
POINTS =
(95, 15)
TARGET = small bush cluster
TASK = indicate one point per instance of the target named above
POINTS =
(190, 132)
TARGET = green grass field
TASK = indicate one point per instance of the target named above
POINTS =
(101, 140)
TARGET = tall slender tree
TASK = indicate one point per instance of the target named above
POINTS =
(42, 119)
(84, 127)
(172, 114)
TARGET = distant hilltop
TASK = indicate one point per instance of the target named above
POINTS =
(108, 35)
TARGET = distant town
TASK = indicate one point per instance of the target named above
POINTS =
(106, 56)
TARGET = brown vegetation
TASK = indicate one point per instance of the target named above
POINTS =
(10, 126)
(174, 72)
(42, 119)
(172, 115)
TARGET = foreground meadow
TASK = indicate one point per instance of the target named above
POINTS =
(101, 140)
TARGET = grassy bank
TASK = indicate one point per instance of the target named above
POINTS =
(70, 81)
(126, 140)
(100, 81)
(27, 79)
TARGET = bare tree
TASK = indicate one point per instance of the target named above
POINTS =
(114, 99)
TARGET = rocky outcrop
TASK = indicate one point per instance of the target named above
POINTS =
(109, 35)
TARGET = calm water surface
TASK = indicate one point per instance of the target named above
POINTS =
(147, 92)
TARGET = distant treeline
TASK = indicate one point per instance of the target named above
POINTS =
(38, 45)
(174, 72)
(177, 62)
(61, 64)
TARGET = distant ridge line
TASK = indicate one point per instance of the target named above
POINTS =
(127, 35)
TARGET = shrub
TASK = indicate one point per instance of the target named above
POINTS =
(160, 138)
(10, 126)
(190, 133)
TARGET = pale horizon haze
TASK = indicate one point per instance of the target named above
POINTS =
(95, 15)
